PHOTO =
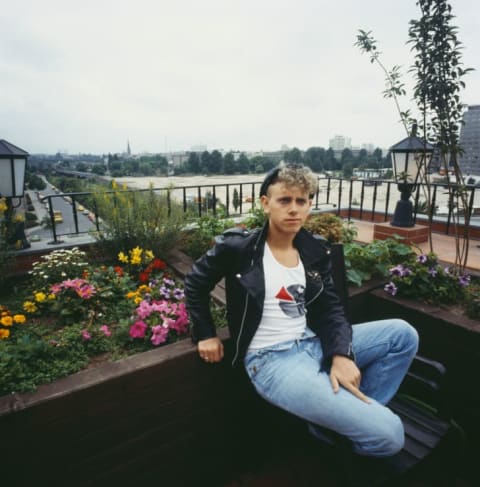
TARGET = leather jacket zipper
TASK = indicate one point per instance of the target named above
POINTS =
(237, 346)
(240, 332)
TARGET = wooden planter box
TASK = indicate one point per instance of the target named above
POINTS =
(166, 418)
(157, 417)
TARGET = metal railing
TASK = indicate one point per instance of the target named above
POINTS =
(372, 200)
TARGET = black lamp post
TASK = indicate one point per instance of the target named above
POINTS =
(13, 162)
(410, 156)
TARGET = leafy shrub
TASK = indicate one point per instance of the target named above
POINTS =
(201, 236)
(366, 261)
(424, 278)
(331, 227)
(57, 266)
(132, 218)
(256, 218)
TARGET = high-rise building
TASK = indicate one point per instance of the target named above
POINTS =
(339, 142)
(470, 141)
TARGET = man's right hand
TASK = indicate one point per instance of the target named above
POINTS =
(211, 349)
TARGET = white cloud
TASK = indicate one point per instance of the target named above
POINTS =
(89, 75)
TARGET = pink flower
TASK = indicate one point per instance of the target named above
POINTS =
(138, 329)
(86, 335)
(56, 288)
(106, 331)
(159, 334)
(86, 291)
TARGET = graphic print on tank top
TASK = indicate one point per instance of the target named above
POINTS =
(292, 300)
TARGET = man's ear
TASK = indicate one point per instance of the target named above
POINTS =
(264, 203)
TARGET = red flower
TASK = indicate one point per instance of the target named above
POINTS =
(144, 276)
(158, 264)
(118, 270)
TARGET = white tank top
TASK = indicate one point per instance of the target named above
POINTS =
(284, 311)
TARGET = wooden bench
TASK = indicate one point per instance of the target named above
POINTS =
(433, 441)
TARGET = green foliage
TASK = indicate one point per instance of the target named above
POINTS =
(423, 278)
(57, 266)
(367, 261)
(69, 324)
(145, 219)
(331, 227)
(201, 236)
(472, 301)
(256, 218)
(439, 74)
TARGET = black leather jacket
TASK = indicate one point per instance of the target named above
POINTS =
(238, 256)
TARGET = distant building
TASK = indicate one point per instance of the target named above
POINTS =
(470, 141)
(198, 148)
(368, 147)
(339, 142)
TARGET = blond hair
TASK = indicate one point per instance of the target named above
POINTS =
(296, 175)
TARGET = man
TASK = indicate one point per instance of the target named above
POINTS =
(289, 328)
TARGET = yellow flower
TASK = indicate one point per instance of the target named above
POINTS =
(136, 260)
(40, 297)
(51, 296)
(136, 252)
(29, 307)
(149, 255)
(3, 205)
(114, 184)
(131, 294)
(4, 334)
(19, 318)
(6, 321)
(122, 258)
(137, 300)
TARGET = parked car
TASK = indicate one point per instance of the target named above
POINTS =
(57, 216)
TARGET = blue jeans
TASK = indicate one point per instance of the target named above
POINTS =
(288, 375)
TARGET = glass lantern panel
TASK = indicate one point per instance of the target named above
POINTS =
(9, 186)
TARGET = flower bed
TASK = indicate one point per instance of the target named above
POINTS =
(75, 312)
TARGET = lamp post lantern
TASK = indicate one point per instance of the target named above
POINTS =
(13, 162)
(410, 156)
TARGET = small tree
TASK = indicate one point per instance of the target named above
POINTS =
(438, 71)
(236, 199)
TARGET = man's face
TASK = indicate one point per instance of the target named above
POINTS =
(286, 207)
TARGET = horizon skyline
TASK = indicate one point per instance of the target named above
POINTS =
(194, 149)
(241, 74)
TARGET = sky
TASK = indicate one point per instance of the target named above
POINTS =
(249, 75)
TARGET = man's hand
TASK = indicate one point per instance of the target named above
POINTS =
(211, 349)
(345, 373)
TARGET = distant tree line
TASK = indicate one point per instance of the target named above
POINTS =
(214, 162)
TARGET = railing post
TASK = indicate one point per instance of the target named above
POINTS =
(241, 198)
(374, 201)
(387, 202)
(75, 215)
(227, 198)
(350, 196)
(55, 240)
(362, 196)
(339, 196)
(199, 199)
(214, 202)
